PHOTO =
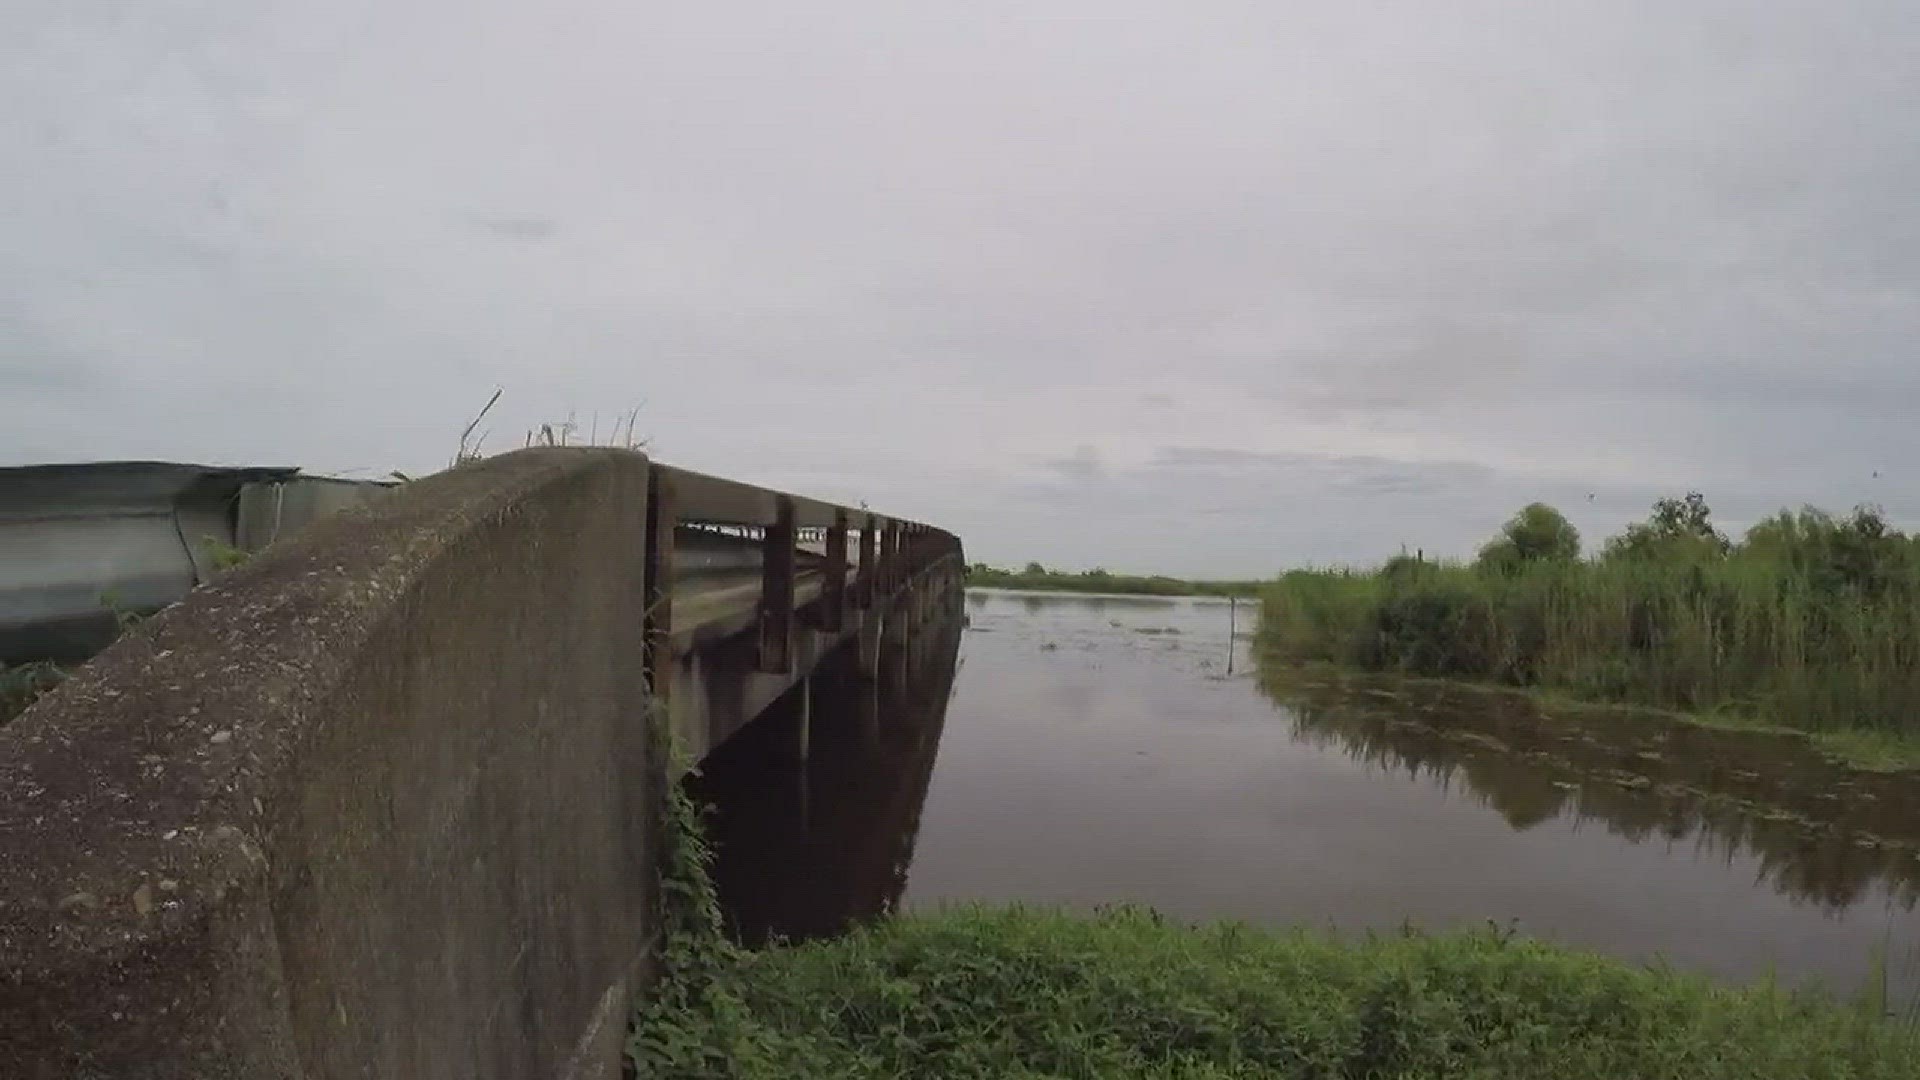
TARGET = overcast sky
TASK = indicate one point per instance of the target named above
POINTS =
(1197, 286)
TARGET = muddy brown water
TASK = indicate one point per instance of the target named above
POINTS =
(1093, 750)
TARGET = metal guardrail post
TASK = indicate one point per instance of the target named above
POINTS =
(776, 591)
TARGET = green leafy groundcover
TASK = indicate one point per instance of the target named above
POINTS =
(1021, 993)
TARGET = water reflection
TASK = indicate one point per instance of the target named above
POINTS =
(1035, 603)
(1822, 834)
(808, 850)
(1096, 751)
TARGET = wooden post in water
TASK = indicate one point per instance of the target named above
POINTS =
(1233, 611)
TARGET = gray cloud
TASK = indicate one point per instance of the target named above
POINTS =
(1083, 465)
(521, 228)
(1329, 277)
(24, 373)
(31, 359)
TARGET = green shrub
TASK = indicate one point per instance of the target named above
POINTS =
(1812, 621)
(1125, 993)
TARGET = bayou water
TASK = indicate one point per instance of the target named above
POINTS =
(1088, 750)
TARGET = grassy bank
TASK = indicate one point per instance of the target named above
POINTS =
(1811, 623)
(1009, 993)
(1040, 579)
(982, 993)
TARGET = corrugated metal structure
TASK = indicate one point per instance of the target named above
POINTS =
(82, 544)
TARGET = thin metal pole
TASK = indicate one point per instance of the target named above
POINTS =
(1233, 614)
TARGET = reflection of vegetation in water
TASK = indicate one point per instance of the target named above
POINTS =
(1823, 834)
(1033, 603)
(1811, 621)
(1037, 577)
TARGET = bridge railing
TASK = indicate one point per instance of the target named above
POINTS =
(863, 557)
(378, 803)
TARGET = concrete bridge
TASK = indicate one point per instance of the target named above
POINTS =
(385, 801)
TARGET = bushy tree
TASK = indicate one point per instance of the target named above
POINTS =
(1538, 533)
(1680, 529)
(1860, 553)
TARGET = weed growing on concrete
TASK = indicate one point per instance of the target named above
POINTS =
(621, 436)
(469, 448)
(700, 966)
(223, 555)
(23, 684)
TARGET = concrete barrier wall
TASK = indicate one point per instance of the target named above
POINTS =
(378, 804)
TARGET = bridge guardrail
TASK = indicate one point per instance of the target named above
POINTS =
(864, 555)
(255, 836)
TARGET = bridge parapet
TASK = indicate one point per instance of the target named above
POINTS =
(384, 800)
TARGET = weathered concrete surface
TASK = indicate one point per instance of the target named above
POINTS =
(376, 805)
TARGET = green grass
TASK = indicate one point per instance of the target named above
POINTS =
(983, 993)
(1039, 579)
(1124, 993)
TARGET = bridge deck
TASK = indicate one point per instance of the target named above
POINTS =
(713, 607)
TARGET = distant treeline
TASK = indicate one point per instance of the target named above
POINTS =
(1037, 577)
(1811, 620)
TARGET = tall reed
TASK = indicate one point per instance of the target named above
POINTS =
(1818, 633)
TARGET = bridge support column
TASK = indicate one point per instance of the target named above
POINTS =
(776, 591)
(803, 722)
(846, 708)
(867, 646)
(895, 637)
(790, 724)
